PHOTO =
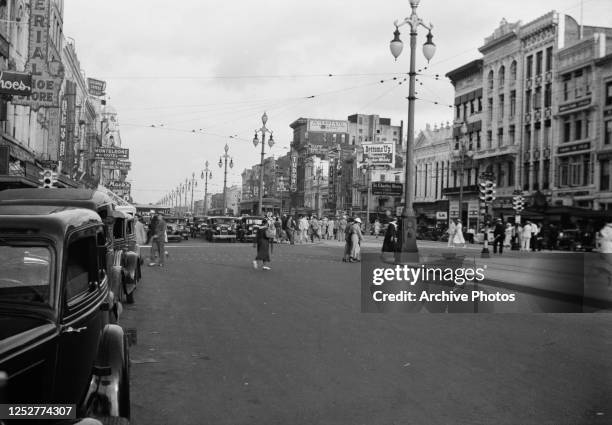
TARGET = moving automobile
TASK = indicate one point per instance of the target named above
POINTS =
(176, 229)
(246, 228)
(221, 228)
(57, 342)
(576, 240)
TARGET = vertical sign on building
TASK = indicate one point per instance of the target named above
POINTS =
(293, 175)
(46, 77)
(70, 124)
(61, 149)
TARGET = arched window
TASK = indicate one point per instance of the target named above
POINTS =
(502, 76)
(513, 71)
(490, 80)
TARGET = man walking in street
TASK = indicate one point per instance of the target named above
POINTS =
(342, 224)
(499, 233)
(290, 229)
(159, 241)
(526, 236)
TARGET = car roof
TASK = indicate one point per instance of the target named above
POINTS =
(80, 198)
(44, 218)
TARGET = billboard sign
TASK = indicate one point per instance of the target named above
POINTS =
(115, 185)
(327, 126)
(111, 153)
(96, 87)
(46, 76)
(379, 153)
(293, 172)
(15, 83)
(387, 188)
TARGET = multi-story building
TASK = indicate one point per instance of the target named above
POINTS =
(580, 97)
(432, 157)
(603, 88)
(373, 129)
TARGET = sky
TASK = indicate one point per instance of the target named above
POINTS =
(187, 77)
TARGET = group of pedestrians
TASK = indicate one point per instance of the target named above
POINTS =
(455, 234)
(156, 235)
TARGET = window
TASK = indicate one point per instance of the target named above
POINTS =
(472, 110)
(526, 176)
(578, 87)
(510, 173)
(539, 58)
(536, 134)
(490, 80)
(527, 137)
(382, 177)
(567, 130)
(489, 138)
(549, 58)
(529, 66)
(546, 174)
(537, 98)
(527, 101)
(501, 106)
(536, 176)
(548, 95)
(502, 76)
(397, 178)
(547, 130)
(480, 104)
(587, 81)
(578, 129)
(478, 139)
(566, 86)
(500, 136)
(512, 134)
(458, 111)
(490, 108)
(81, 255)
(608, 132)
(604, 175)
(512, 103)
(609, 93)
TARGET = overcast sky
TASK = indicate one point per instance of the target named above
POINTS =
(216, 66)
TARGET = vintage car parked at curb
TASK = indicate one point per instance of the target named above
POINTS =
(120, 258)
(221, 228)
(57, 344)
(246, 229)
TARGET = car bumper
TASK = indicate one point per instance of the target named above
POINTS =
(224, 236)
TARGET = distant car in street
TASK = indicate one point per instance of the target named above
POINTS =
(176, 229)
(246, 228)
(576, 240)
(221, 228)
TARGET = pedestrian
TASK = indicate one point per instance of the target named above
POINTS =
(342, 224)
(324, 224)
(330, 229)
(605, 250)
(264, 242)
(139, 230)
(290, 229)
(508, 236)
(392, 241)
(451, 233)
(315, 229)
(458, 239)
(150, 235)
(278, 229)
(526, 236)
(553, 236)
(347, 240)
(377, 228)
(499, 232)
(536, 237)
(356, 238)
(159, 242)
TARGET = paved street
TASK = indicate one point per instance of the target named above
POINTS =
(221, 343)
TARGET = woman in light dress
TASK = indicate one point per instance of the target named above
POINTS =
(458, 237)
(508, 236)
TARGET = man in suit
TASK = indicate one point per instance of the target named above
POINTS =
(499, 232)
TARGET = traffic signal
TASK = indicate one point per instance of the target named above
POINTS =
(487, 191)
(49, 177)
(518, 203)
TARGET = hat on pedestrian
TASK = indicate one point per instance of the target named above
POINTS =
(358, 220)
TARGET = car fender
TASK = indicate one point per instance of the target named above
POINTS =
(130, 264)
(110, 370)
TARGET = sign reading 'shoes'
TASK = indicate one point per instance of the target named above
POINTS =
(15, 83)
(112, 153)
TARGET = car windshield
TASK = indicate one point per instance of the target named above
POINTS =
(224, 221)
(25, 275)
(254, 220)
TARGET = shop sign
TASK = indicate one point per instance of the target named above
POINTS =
(293, 170)
(575, 148)
(378, 153)
(15, 83)
(574, 105)
(48, 163)
(111, 153)
(118, 185)
(113, 164)
(46, 76)
(441, 215)
(96, 87)
(327, 126)
(387, 188)
(62, 139)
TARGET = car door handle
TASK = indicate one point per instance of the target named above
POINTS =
(70, 329)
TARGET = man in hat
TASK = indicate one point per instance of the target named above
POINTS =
(499, 232)
(393, 240)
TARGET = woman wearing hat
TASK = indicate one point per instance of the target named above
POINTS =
(356, 238)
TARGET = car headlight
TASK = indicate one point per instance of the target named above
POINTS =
(218, 228)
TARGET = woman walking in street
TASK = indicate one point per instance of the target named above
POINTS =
(347, 240)
(264, 245)
(356, 238)
(451, 233)
(458, 239)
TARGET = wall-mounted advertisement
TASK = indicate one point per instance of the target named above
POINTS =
(112, 153)
(46, 76)
(293, 172)
(96, 87)
(328, 126)
(15, 83)
(379, 153)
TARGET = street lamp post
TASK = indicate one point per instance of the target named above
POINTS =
(366, 169)
(263, 130)
(231, 164)
(194, 183)
(464, 153)
(408, 224)
(185, 190)
(317, 177)
(206, 174)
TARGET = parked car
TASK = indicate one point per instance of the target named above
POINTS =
(177, 227)
(57, 344)
(246, 229)
(221, 228)
(116, 262)
(576, 240)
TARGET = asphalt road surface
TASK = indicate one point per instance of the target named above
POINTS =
(221, 343)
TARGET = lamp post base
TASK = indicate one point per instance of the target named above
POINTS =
(409, 253)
